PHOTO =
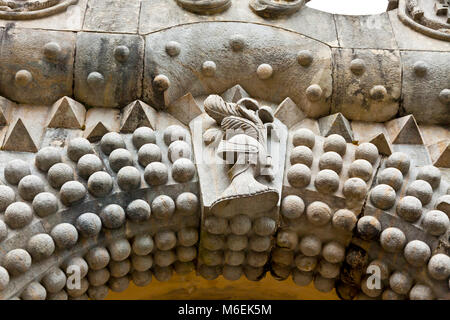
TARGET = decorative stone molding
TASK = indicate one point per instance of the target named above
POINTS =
(25, 10)
(205, 6)
(427, 17)
(275, 9)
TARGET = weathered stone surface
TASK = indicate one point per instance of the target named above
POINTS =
(365, 32)
(26, 127)
(311, 93)
(366, 84)
(425, 76)
(121, 192)
(331, 195)
(120, 17)
(432, 134)
(108, 69)
(43, 71)
(239, 11)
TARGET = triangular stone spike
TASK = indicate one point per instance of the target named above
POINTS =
(6, 108)
(96, 132)
(440, 154)
(404, 130)
(234, 94)
(137, 114)
(3, 121)
(18, 138)
(382, 143)
(67, 113)
(289, 113)
(185, 109)
(336, 124)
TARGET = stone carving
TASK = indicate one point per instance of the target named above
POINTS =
(230, 145)
(244, 127)
(428, 17)
(441, 9)
(239, 149)
(206, 7)
(274, 9)
(32, 9)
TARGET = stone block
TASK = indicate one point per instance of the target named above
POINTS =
(112, 16)
(300, 68)
(37, 65)
(365, 31)
(426, 82)
(367, 84)
(108, 69)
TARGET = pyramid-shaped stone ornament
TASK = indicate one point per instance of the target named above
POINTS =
(67, 113)
(185, 109)
(18, 138)
(404, 130)
(336, 124)
(137, 114)
(440, 154)
(96, 132)
(289, 113)
(234, 94)
(382, 143)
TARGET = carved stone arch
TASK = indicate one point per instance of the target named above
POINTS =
(227, 147)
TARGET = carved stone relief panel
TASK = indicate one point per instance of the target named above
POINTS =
(32, 9)
(239, 150)
(430, 17)
(206, 7)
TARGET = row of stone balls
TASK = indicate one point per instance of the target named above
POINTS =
(398, 285)
(227, 241)
(303, 279)
(111, 267)
(418, 194)
(65, 235)
(330, 162)
(149, 153)
(240, 225)
(231, 272)
(318, 213)
(417, 253)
